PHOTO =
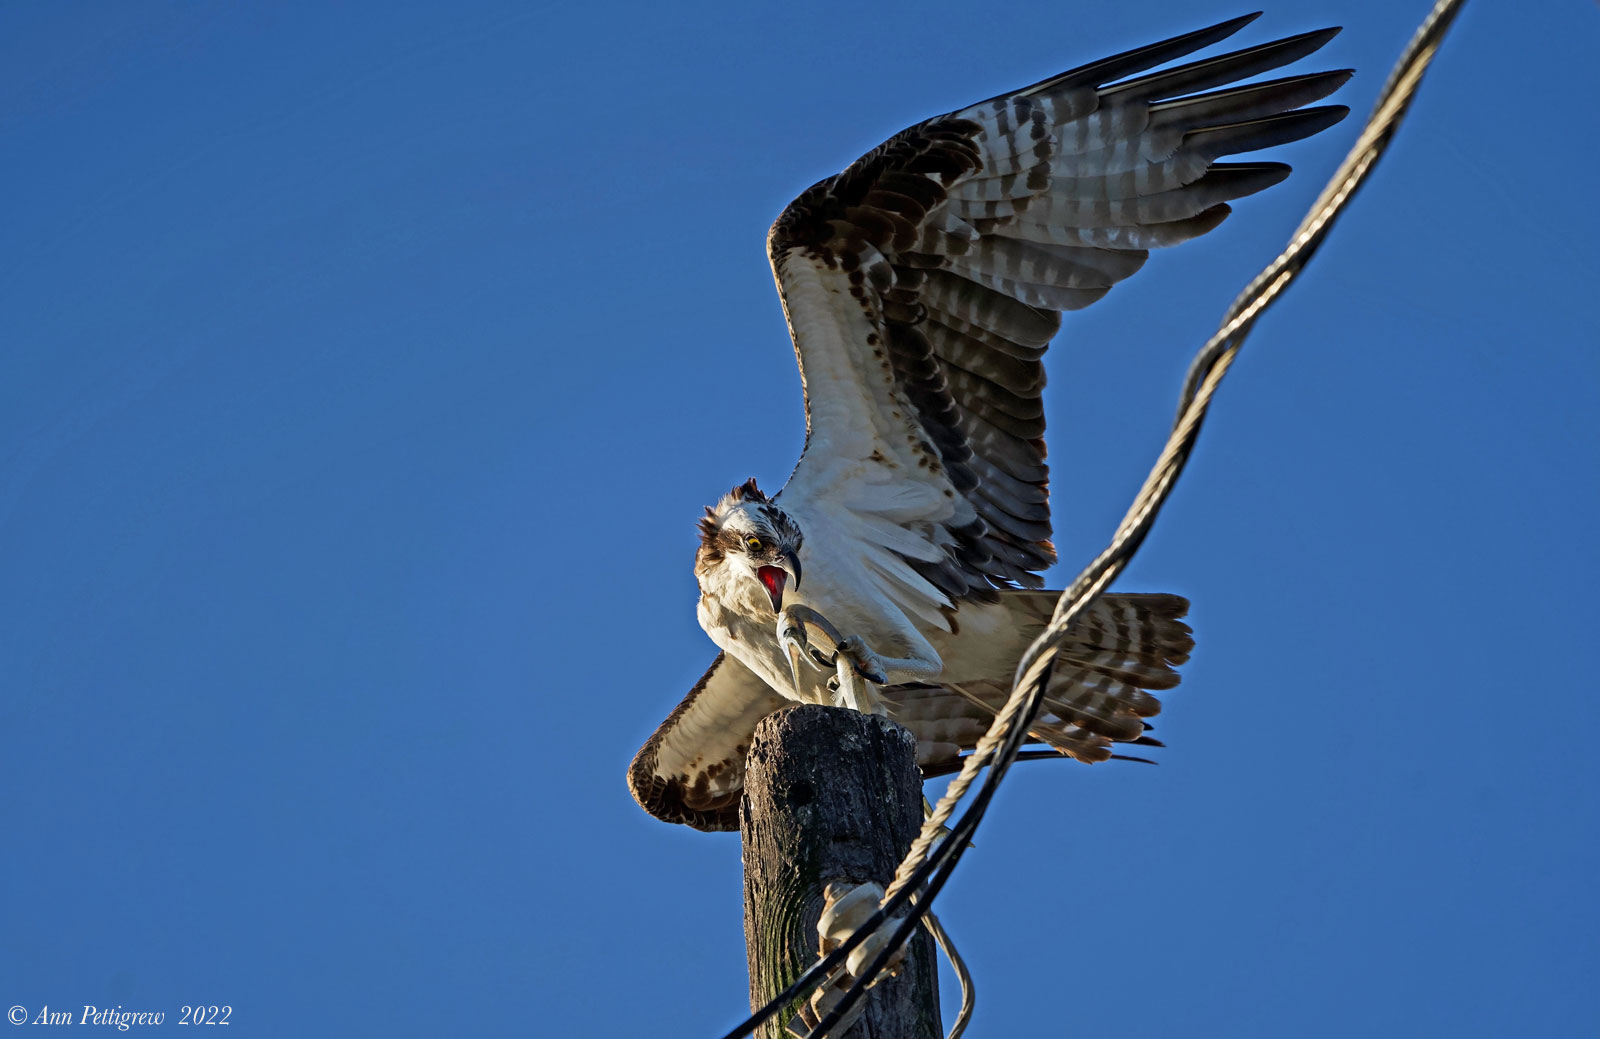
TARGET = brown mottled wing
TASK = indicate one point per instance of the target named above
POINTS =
(691, 769)
(923, 283)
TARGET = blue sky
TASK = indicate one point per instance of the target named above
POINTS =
(366, 368)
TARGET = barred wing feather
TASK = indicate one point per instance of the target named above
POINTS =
(923, 283)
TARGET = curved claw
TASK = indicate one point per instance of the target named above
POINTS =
(796, 643)
(803, 615)
(865, 661)
(797, 647)
(875, 677)
(792, 638)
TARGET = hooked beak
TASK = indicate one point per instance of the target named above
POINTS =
(775, 578)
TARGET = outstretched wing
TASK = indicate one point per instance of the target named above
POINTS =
(923, 283)
(691, 770)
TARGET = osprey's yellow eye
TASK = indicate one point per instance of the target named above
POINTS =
(753, 543)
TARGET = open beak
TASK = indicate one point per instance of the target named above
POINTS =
(776, 578)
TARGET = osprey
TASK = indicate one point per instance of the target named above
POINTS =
(897, 570)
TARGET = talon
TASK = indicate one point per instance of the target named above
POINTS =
(802, 614)
(864, 660)
(792, 640)
(792, 635)
(796, 644)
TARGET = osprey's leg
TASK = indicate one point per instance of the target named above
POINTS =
(859, 669)
(922, 663)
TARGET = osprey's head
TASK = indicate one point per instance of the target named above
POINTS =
(748, 537)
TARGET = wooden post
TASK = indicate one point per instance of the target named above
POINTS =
(830, 794)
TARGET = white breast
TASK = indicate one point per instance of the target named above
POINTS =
(860, 586)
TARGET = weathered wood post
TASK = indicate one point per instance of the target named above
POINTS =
(830, 794)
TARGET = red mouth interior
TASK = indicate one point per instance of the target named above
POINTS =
(774, 578)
